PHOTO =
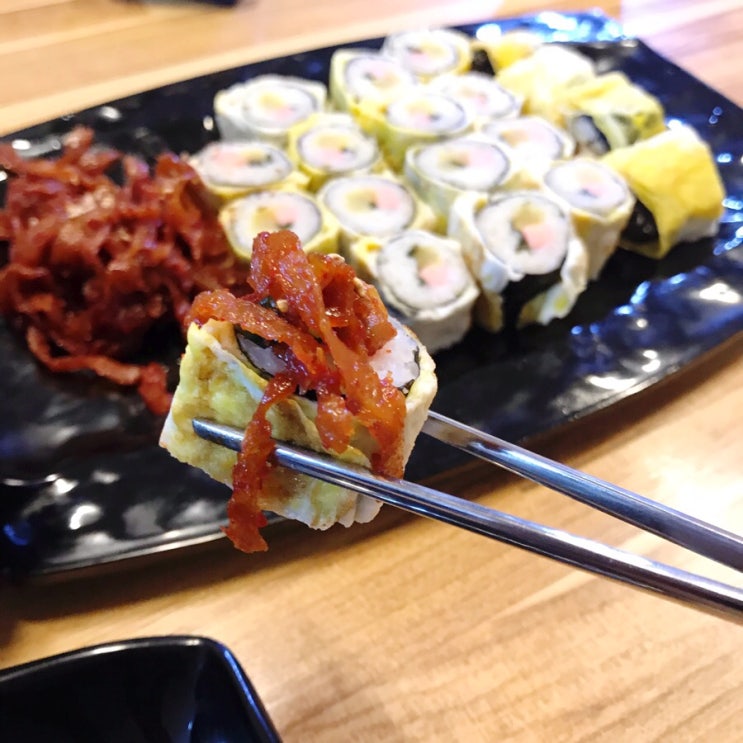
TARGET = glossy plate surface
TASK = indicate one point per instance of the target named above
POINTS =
(139, 691)
(82, 481)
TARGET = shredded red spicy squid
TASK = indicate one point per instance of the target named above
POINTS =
(330, 325)
(94, 266)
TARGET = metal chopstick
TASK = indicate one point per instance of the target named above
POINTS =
(675, 526)
(702, 593)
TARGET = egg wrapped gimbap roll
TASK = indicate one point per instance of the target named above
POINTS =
(232, 169)
(542, 78)
(678, 188)
(503, 49)
(365, 75)
(424, 280)
(266, 107)
(268, 211)
(373, 205)
(534, 142)
(417, 117)
(599, 202)
(356, 387)
(609, 111)
(523, 252)
(430, 52)
(332, 144)
(442, 171)
(480, 94)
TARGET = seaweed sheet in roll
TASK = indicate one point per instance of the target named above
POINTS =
(598, 201)
(609, 111)
(423, 278)
(524, 254)
(678, 188)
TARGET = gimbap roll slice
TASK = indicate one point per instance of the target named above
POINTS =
(424, 280)
(542, 78)
(532, 139)
(524, 254)
(418, 117)
(430, 52)
(503, 49)
(266, 107)
(599, 202)
(365, 75)
(609, 111)
(480, 94)
(332, 144)
(269, 211)
(678, 188)
(372, 205)
(442, 171)
(311, 358)
(232, 169)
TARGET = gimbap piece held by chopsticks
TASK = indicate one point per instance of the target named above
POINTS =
(309, 357)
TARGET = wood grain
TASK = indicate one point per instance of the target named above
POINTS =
(404, 629)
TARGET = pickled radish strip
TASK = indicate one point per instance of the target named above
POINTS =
(94, 266)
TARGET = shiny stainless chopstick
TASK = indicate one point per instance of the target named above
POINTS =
(694, 590)
(675, 526)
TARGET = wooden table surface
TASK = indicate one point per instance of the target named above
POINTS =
(405, 629)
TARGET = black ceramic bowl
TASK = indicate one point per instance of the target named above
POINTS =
(153, 690)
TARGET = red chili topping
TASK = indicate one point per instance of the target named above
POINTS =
(93, 266)
(330, 325)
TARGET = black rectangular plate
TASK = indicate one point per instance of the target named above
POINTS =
(82, 481)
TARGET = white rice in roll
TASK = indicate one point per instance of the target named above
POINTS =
(232, 169)
(372, 205)
(442, 171)
(365, 75)
(483, 97)
(266, 107)
(268, 211)
(534, 142)
(430, 52)
(417, 117)
(332, 144)
(599, 202)
(423, 278)
(508, 237)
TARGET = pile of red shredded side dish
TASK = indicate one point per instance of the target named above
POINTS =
(328, 327)
(93, 265)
